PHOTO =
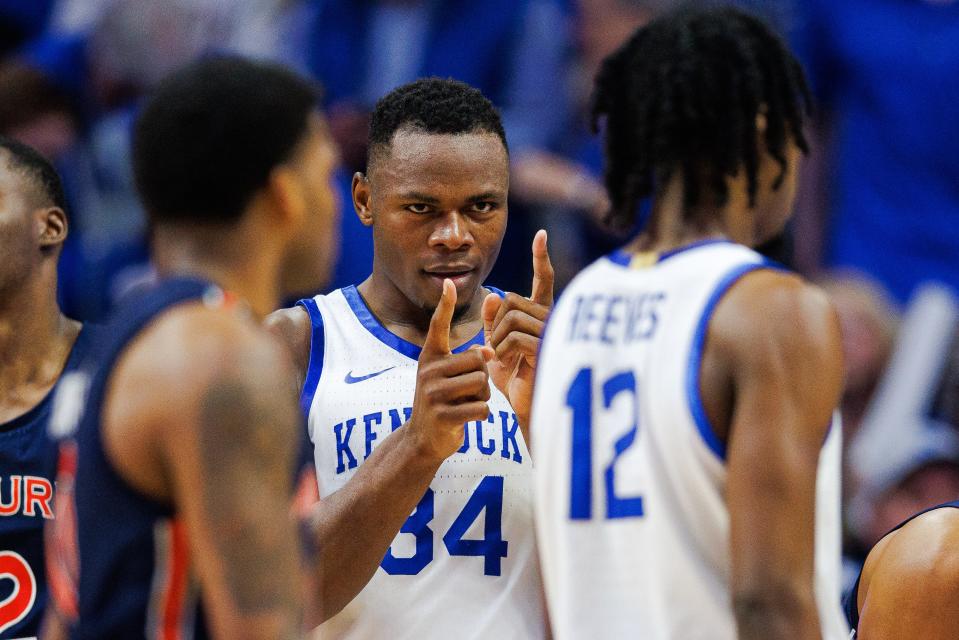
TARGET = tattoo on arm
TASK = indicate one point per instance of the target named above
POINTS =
(246, 441)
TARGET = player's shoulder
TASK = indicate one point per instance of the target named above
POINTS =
(293, 327)
(914, 569)
(924, 546)
(193, 343)
(776, 308)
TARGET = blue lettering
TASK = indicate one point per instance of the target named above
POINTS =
(588, 317)
(343, 445)
(610, 319)
(574, 325)
(489, 447)
(509, 435)
(368, 421)
(466, 439)
(395, 421)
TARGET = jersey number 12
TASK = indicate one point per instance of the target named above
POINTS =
(579, 399)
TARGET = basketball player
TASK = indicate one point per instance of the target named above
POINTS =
(37, 344)
(184, 456)
(907, 588)
(428, 519)
(687, 468)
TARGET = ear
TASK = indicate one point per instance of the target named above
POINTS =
(362, 196)
(52, 226)
(285, 193)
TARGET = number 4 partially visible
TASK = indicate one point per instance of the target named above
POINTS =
(488, 496)
(579, 399)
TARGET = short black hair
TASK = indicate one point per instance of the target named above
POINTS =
(211, 134)
(433, 105)
(683, 93)
(31, 163)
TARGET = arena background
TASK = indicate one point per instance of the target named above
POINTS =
(877, 223)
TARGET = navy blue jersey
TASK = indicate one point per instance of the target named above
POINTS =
(27, 470)
(119, 565)
(852, 606)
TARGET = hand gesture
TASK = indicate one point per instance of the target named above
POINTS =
(451, 389)
(514, 328)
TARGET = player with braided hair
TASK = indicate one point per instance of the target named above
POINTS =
(687, 464)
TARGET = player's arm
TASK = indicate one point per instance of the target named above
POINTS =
(353, 527)
(219, 427)
(775, 341)
(910, 582)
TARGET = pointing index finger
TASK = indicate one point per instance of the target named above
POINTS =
(542, 271)
(438, 337)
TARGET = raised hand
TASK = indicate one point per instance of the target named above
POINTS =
(514, 328)
(451, 389)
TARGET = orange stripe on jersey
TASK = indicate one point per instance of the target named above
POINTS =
(178, 573)
(60, 538)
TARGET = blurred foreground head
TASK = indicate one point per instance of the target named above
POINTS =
(711, 99)
(227, 142)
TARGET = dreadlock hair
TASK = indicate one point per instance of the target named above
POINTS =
(433, 105)
(683, 93)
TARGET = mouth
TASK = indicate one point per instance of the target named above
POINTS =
(460, 275)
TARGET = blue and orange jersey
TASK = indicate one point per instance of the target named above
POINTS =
(118, 563)
(27, 472)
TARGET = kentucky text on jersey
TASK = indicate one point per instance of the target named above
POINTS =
(26, 495)
(615, 319)
(494, 436)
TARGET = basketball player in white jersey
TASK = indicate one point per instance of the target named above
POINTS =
(429, 520)
(687, 464)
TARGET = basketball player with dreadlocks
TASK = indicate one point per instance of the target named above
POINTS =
(687, 463)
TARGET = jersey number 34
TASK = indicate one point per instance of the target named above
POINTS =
(489, 496)
(579, 399)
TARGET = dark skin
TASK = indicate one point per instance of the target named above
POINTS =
(437, 206)
(770, 379)
(198, 412)
(35, 337)
(909, 582)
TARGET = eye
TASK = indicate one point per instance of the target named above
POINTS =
(419, 207)
(484, 207)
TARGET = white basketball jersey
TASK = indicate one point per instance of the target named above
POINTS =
(631, 515)
(464, 564)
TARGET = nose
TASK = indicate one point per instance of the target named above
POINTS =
(452, 232)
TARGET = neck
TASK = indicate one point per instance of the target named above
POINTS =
(672, 225)
(231, 259)
(35, 337)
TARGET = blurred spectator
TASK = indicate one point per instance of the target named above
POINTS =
(35, 111)
(885, 76)
(868, 322)
(22, 20)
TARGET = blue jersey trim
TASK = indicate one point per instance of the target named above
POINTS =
(695, 400)
(623, 258)
(317, 349)
(390, 339)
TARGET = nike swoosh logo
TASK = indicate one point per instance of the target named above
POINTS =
(349, 379)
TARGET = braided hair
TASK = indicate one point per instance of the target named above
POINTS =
(683, 93)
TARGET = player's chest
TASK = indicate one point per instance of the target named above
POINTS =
(348, 421)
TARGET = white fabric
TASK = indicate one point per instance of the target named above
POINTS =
(451, 596)
(663, 574)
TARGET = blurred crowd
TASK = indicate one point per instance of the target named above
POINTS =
(877, 223)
